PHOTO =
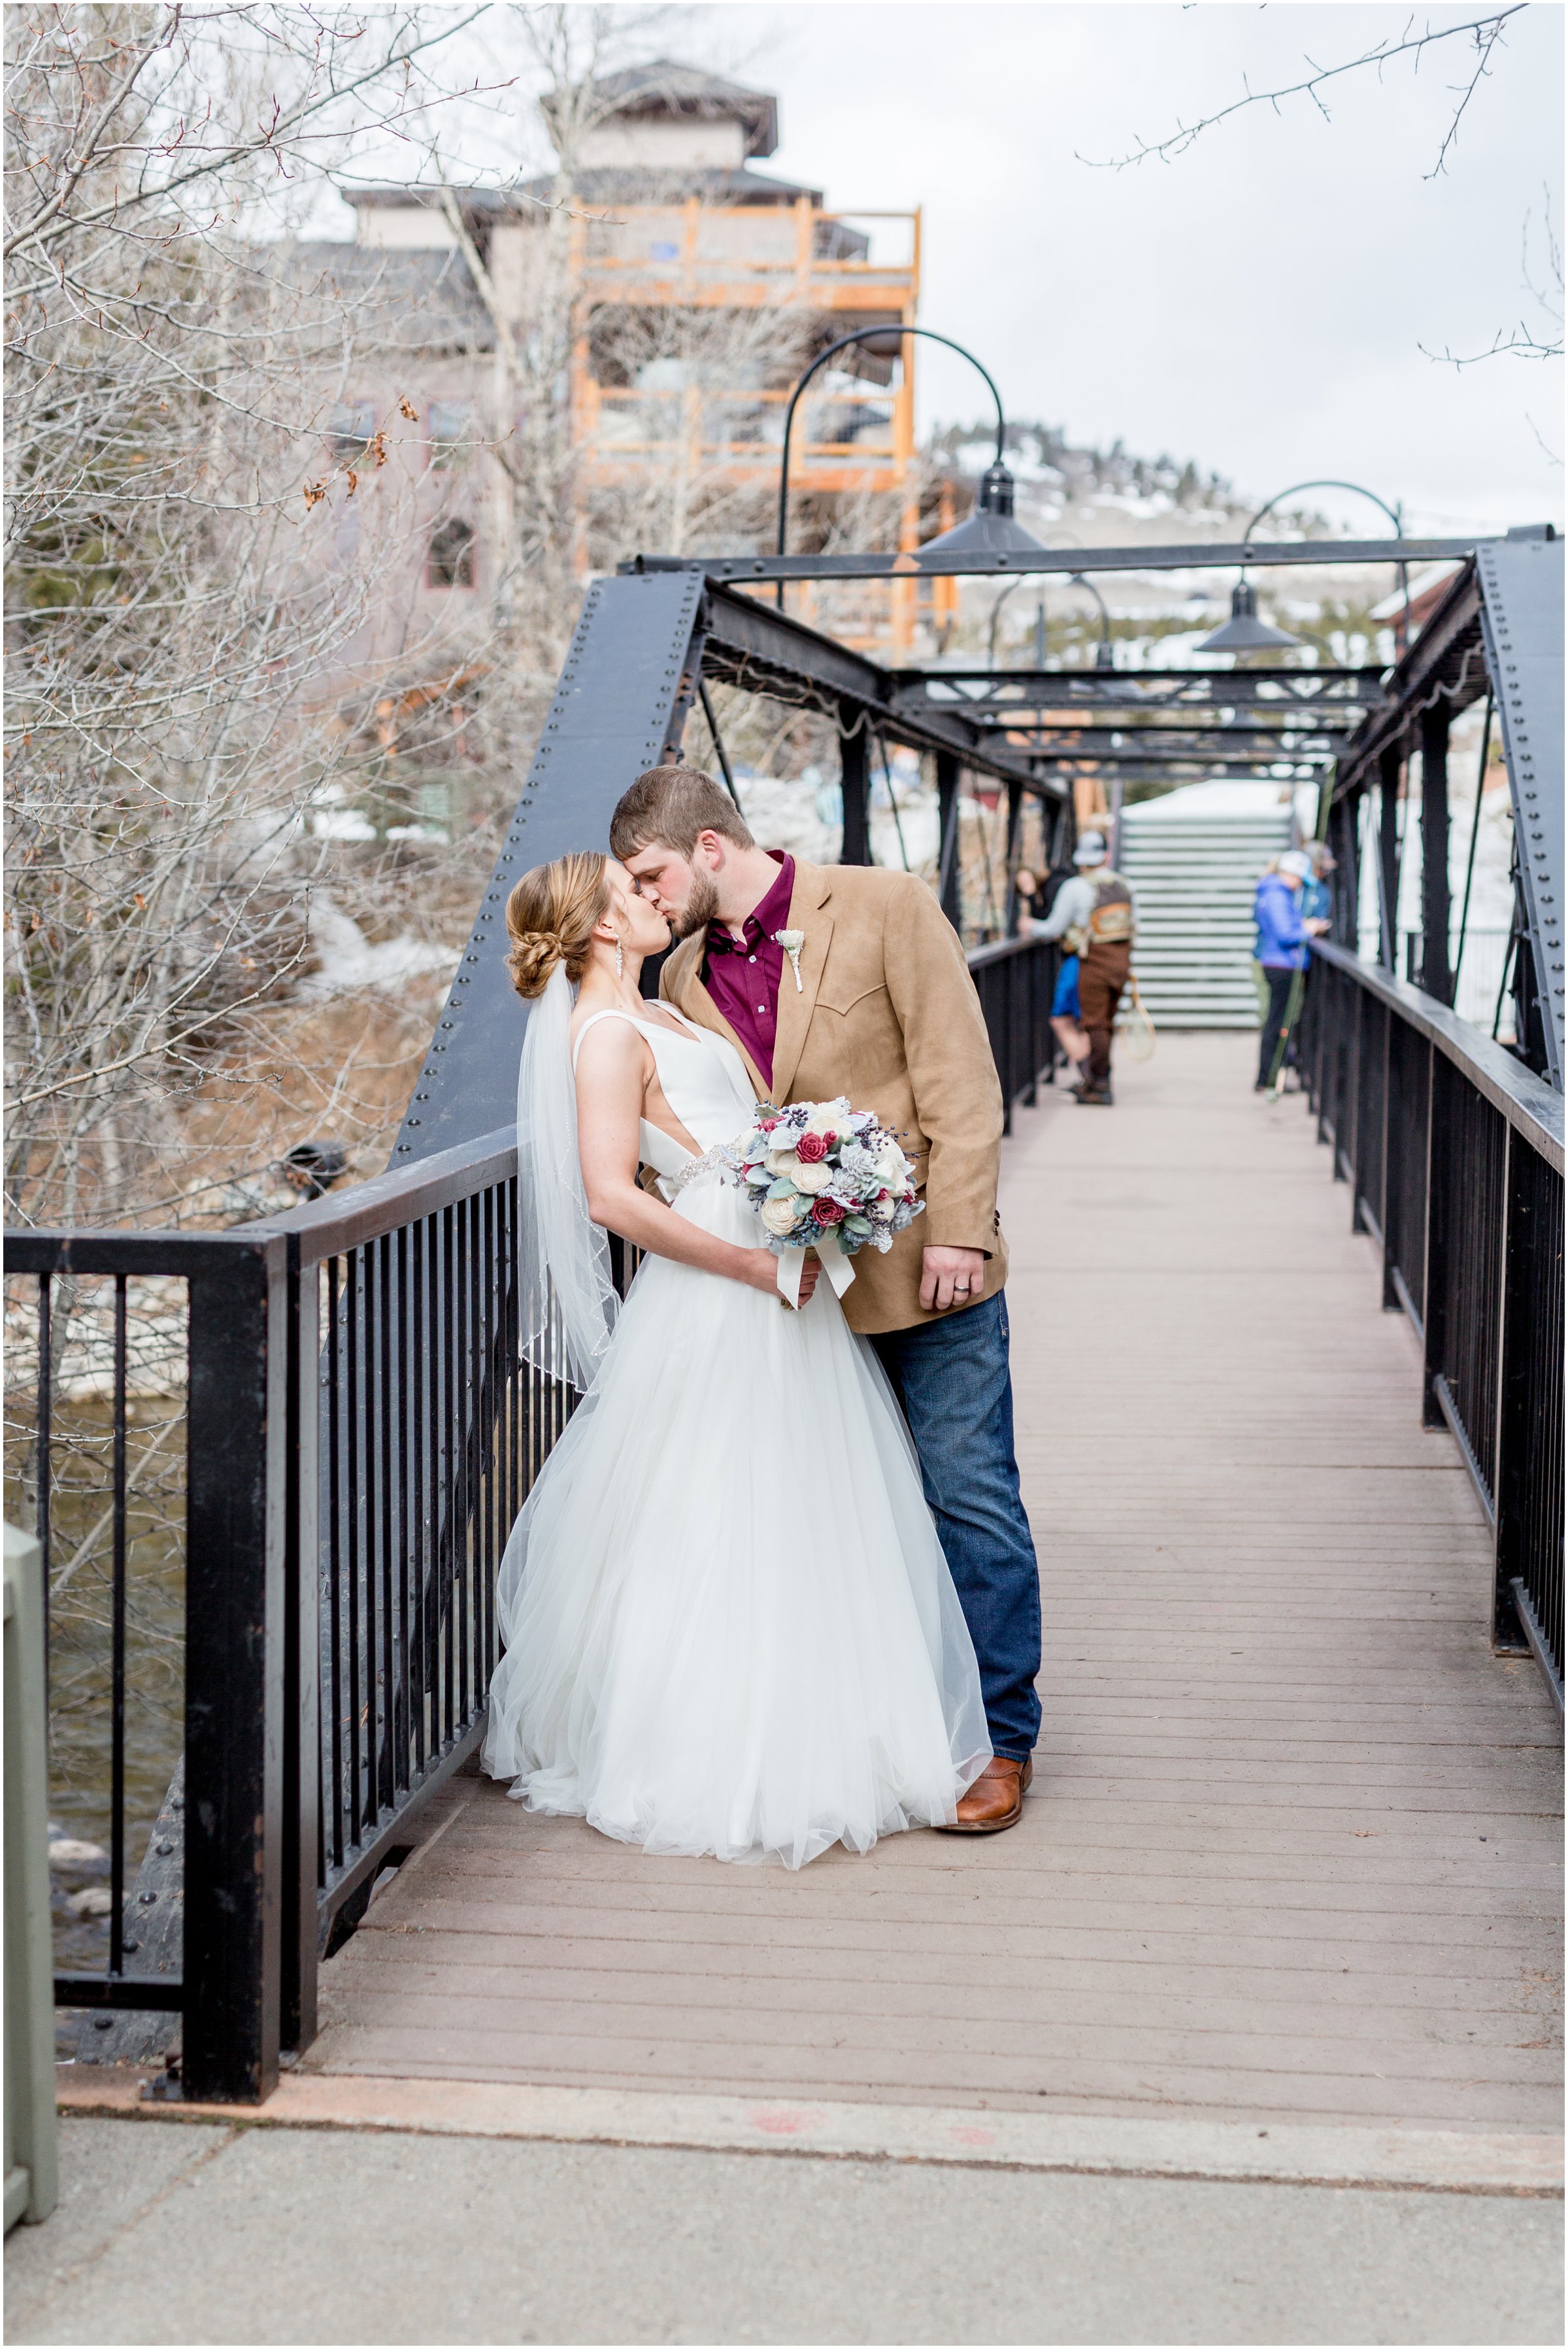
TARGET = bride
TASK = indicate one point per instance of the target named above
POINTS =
(729, 1625)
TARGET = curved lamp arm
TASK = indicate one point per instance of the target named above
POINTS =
(866, 335)
(995, 611)
(1078, 580)
(1075, 579)
(1355, 490)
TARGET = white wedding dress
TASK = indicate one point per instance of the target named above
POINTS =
(728, 1624)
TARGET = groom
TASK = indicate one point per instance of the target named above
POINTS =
(875, 1001)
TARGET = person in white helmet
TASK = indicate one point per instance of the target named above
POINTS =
(1095, 917)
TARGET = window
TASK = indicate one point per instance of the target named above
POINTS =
(451, 432)
(351, 430)
(449, 561)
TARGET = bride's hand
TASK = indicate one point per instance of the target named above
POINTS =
(762, 1272)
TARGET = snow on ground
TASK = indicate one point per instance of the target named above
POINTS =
(346, 960)
(803, 815)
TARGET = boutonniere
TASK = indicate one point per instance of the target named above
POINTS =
(793, 941)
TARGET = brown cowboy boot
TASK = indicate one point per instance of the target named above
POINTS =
(996, 1800)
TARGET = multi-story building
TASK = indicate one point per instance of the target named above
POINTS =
(687, 290)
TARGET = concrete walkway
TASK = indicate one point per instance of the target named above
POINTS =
(177, 2233)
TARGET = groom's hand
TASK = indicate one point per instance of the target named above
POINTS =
(951, 1276)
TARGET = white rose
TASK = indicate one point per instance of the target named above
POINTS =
(778, 1215)
(892, 1168)
(812, 1178)
(828, 1118)
(783, 1162)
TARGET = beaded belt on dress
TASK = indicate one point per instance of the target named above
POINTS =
(716, 1161)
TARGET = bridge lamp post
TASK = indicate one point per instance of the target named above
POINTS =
(1243, 632)
(990, 529)
(1104, 652)
(1011, 588)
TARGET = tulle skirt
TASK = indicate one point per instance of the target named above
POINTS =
(729, 1625)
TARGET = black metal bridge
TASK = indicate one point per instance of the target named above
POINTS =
(362, 1429)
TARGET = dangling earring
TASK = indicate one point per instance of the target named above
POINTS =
(620, 961)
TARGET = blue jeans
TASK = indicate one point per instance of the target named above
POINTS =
(952, 1378)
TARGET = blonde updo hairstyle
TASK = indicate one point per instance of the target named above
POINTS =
(551, 917)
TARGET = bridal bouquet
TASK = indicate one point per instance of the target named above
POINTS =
(824, 1175)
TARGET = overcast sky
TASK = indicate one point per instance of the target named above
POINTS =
(1258, 305)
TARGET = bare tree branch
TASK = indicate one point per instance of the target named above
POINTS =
(1487, 31)
(1522, 340)
(1486, 39)
(197, 658)
(277, 135)
(1550, 454)
(92, 140)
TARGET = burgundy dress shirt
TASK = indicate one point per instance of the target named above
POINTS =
(742, 974)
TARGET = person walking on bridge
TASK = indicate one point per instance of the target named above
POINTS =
(1095, 917)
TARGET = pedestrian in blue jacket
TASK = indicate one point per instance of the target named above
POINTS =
(1282, 950)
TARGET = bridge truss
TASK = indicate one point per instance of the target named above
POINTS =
(362, 1428)
(651, 640)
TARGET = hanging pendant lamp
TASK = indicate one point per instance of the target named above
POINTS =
(1243, 632)
(990, 529)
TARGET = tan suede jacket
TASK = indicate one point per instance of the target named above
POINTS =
(887, 1014)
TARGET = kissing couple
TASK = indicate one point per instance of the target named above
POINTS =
(774, 1588)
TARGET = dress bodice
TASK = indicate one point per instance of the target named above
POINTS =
(703, 1079)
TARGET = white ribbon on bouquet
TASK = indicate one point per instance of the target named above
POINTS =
(838, 1267)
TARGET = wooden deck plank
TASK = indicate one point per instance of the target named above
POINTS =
(1332, 1936)
(1292, 1847)
(508, 1992)
(1241, 1863)
(534, 1970)
(516, 2032)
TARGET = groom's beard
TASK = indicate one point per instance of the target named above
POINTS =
(700, 909)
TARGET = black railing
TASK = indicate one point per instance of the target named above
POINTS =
(362, 1430)
(1454, 1153)
(423, 1440)
(232, 1374)
(1015, 979)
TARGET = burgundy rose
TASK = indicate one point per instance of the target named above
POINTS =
(811, 1148)
(826, 1211)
